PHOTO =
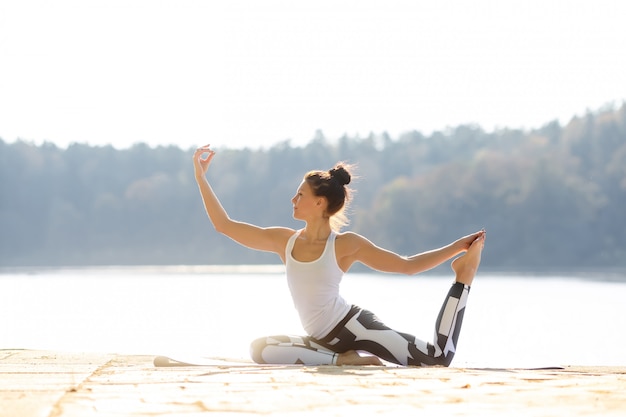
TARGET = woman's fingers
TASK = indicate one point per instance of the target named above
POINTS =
(203, 149)
(198, 154)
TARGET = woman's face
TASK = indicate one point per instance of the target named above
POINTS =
(305, 203)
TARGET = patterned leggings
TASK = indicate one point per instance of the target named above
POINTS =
(362, 330)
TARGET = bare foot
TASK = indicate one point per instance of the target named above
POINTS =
(466, 265)
(352, 357)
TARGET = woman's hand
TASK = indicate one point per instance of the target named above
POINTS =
(200, 164)
(464, 243)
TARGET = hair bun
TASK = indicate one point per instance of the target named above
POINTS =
(340, 174)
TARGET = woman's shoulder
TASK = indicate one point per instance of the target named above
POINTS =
(281, 237)
(349, 248)
(348, 235)
(350, 239)
(352, 242)
(282, 232)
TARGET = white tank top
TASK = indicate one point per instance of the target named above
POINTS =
(314, 288)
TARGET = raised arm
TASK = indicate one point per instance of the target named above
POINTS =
(271, 239)
(356, 248)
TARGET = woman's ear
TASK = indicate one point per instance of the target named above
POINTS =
(321, 203)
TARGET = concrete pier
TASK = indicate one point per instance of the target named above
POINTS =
(52, 384)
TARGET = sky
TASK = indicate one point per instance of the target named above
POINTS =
(252, 73)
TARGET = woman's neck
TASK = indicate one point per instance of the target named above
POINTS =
(317, 231)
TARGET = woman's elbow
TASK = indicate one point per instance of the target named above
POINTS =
(221, 225)
(221, 228)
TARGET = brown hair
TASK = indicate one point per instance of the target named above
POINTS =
(332, 185)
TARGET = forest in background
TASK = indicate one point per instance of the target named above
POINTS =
(552, 198)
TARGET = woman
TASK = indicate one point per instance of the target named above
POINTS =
(317, 256)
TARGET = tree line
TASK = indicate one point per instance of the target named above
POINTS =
(549, 198)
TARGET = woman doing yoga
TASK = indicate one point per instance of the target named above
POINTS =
(316, 258)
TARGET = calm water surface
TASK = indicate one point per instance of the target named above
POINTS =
(510, 320)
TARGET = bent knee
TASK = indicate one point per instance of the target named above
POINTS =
(441, 360)
(444, 360)
(256, 349)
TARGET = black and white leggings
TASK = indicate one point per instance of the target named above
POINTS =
(361, 330)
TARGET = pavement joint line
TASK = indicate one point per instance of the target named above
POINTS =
(57, 408)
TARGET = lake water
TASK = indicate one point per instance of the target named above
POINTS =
(512, 320)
